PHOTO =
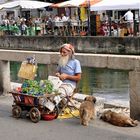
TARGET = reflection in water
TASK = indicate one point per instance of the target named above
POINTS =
(110, 84)
(106, 83)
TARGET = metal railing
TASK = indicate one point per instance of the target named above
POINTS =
(73, 28)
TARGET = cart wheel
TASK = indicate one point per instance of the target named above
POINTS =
(16, 111)
(35, 115)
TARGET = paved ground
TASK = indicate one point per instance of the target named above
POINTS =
(70, 129)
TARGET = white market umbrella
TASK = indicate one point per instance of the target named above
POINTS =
(115, 5)
(26, 4)
(77, 3)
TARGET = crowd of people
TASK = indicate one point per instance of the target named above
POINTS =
(125, 25)
(49, 25)
(67, 26)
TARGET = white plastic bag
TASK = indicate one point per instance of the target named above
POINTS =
(55, 81)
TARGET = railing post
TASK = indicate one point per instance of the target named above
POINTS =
(134, 78)
(135, 28)
(5, 84)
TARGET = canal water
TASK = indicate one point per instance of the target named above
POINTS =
(112, 85)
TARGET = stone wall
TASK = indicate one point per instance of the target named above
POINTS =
(88, 44)
(121, 62)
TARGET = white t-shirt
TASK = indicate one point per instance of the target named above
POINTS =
(64, 18)
(129, 16)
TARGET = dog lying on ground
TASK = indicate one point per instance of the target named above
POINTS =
(87, 110)
(118, 119)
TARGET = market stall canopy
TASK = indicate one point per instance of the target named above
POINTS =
(75, 3)
(27, 4)
(115, 5)
(89, 2)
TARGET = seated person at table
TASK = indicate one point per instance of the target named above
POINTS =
(64, 18)
(23, 28)
(104, 18)
(57, 19)
(74, 24)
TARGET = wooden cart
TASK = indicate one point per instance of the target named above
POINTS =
(30, 104)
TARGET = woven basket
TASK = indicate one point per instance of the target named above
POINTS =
(27, 71)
